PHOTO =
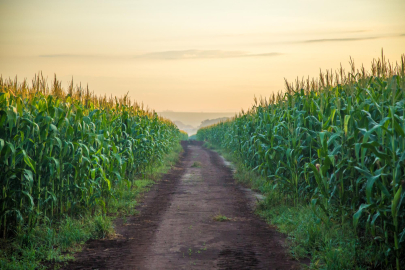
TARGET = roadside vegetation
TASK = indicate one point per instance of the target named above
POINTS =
(70, 162)
(330, 156)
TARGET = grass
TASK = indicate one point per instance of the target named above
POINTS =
(53, 243)
(196, 164)
(328, 246)
(57, 241)
(221, 218)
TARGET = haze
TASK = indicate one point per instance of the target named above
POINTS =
(194, 56)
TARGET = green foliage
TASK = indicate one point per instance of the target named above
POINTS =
(44, 242)
(221, 218)
(55, 241)
(331, 246)
(339, 145)
(196, 164)
(183, 135)
(69, 153)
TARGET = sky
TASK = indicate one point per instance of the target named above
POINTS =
(194, 55)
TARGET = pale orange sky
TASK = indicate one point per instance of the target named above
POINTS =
(189, 55)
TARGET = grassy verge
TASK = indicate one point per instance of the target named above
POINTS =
(329, 246)
(56, 241)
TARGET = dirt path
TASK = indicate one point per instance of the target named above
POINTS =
(176, 229)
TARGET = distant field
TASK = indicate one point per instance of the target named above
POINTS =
(193, 118)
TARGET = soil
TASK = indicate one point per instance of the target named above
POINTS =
(179, 225)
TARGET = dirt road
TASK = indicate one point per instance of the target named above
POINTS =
(176, 228)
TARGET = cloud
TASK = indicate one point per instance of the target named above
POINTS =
(201, 54)
(257, 34)
(346, 39)
(337, 39)
(172, 55)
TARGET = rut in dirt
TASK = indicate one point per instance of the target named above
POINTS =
(176, 228)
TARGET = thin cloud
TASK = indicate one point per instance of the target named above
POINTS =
(171, 55)
(345, 39)
(261, 34)
(336, 39)
(201, 54)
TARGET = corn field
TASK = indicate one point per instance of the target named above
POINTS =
(64, 152)
(337, 143)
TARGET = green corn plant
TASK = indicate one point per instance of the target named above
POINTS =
(66, 152)
(337, 143)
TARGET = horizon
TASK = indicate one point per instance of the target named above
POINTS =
(194, 119)
(170, 111)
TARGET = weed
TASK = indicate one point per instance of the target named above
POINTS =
(196, 164)
(103, 227)
(221, 218)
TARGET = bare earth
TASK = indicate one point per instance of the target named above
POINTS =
(176, 229)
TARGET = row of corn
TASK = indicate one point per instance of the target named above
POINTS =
(64, 152)
(337, 143)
